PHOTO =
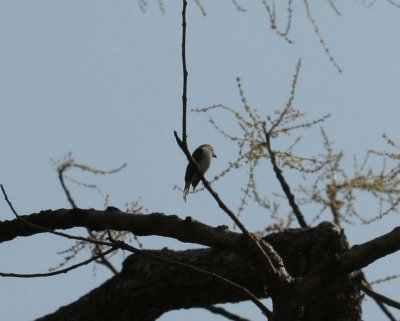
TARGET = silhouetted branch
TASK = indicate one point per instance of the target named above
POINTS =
(285, 186)
(124, 246)
(61, 169)
(187, 231)
(202, 272)
(225, 313)
(380, 297)
(358, 257)
(185, 73)
(66, 270)
(265, 253)
(385, 310)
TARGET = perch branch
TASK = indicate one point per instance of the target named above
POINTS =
(185, 73)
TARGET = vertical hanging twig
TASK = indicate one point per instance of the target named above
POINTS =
(185, 73)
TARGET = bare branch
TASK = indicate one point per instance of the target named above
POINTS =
(385, 310)
(358, 257)
(64, 166)
(185, 73)
(238, 6)
(199, 271)
(285, 186)
(64, 187)
(380, 297)
(227, 314)
(364, 254)
(321, 39)
(124, 246)
(265, 254)
(66, 270)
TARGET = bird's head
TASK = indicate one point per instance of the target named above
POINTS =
(209, 149)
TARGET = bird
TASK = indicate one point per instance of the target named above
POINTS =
(202, 155)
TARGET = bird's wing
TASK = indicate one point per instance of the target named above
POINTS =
(197, 154)
(190, 171)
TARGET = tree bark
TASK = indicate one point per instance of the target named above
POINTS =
(145, 289)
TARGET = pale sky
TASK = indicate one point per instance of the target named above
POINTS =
(102, 79)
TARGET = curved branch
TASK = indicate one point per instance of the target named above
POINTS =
(187, 231)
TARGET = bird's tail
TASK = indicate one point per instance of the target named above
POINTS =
(186, 191)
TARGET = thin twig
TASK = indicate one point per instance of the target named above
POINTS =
(380, 297)
(183, 145)
(227, 314)
(285, 186)
(66, 270)
(185, 73)
(66, 190)
(319, 35)
(385, 310)
(100, 255)
(45, 229)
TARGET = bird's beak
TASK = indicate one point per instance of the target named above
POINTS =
(215, 156)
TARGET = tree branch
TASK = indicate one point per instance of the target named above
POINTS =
(379, 297)
(263, 253)
(282, 181)
(102, 259)
(358, 257)
(185, 73)
(187, 231)
(145, 289)
(124, 246)
(221, 311)
(193, 269)
(364, 254)
(385, 310)
(62, 271)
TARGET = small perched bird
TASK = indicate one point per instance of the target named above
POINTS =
(202, 155)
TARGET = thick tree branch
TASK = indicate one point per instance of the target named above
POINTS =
(145, 289)
(124, 246)
(187, 231)
(211, 275)
(364, 254)
(358, 257)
